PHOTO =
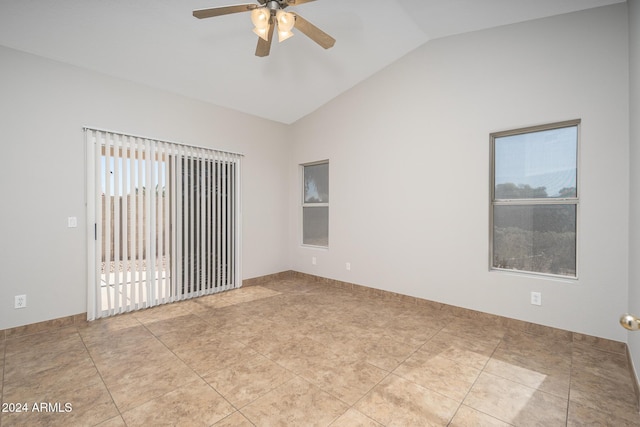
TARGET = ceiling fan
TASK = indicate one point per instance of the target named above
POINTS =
(266, 15)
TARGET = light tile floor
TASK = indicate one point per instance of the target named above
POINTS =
(295, 353)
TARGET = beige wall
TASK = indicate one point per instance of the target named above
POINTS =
(634, 233)
(43, 107)
(409, 168)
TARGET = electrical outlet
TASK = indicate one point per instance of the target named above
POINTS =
(348, 266)
(314, 261)
(536, 298)
(20, 301)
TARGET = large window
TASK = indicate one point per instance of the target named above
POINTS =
(315, 204)
(534, 199)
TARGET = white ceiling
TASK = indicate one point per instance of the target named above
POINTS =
(159, 43)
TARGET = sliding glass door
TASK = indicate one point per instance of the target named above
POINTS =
(165, 222)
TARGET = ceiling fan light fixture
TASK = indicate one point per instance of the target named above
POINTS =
(286, 21)
(260, 18)
(283, 35)
(263, 33)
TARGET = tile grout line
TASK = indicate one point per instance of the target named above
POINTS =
(237, 408)
(454, 361)
(570, 383)
(474, 383)
(208, 322)
(188, 366)
(101, 377)
(391, 372)
(296, 375)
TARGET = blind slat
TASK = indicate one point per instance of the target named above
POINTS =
(107, 240)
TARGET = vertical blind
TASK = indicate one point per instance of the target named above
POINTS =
(166, 222)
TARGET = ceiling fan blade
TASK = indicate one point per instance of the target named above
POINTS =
(264, 46)
(298, 2)
(224, 10)
(313, 32)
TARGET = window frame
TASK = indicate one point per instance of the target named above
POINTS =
(493, 202)
(312, 204)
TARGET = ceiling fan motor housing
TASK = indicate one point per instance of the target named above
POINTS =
(275, 5)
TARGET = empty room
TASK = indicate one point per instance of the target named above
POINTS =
(320, 213)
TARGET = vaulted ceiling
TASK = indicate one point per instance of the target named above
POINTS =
(159, 43)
